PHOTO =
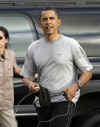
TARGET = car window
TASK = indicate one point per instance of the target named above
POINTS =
(21, 29)
(86, 29)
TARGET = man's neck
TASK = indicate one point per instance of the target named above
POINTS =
(52, 37)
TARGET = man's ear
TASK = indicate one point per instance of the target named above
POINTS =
(59, 22)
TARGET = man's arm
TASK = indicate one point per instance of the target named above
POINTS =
(33, 86)
(71, 89)
(82, 63)
(85, 77)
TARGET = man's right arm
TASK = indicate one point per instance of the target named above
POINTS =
(33, 86)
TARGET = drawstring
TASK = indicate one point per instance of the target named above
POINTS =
(70, 111)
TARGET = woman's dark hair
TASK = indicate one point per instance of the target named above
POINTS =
(6, 34)
(5, 31)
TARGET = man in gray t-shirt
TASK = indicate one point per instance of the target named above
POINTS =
(56, 58)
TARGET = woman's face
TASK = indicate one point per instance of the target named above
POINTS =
(3, 40)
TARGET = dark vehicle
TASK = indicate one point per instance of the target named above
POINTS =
(81, 21)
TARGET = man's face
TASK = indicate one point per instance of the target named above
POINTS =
(49, 22)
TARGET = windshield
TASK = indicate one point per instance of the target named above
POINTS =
(85, 28)
(21, 29)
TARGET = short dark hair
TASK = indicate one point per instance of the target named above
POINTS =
(48, 9)
(5, 31)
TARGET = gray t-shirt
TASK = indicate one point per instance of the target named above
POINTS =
(57, 63)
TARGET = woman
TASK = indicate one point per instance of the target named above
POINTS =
(7, 67)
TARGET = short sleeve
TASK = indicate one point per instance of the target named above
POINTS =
(80, 58)
(29, 67)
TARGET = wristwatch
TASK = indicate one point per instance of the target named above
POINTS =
(78, 84)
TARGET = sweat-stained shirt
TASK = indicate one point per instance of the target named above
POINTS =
(56, 63)
(6, 80)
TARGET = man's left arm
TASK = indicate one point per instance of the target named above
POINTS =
(85, 67)
(71, 89)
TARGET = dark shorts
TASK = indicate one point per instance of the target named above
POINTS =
(56, 114)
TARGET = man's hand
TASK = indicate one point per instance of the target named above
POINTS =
(70, 91)
(34, 87)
